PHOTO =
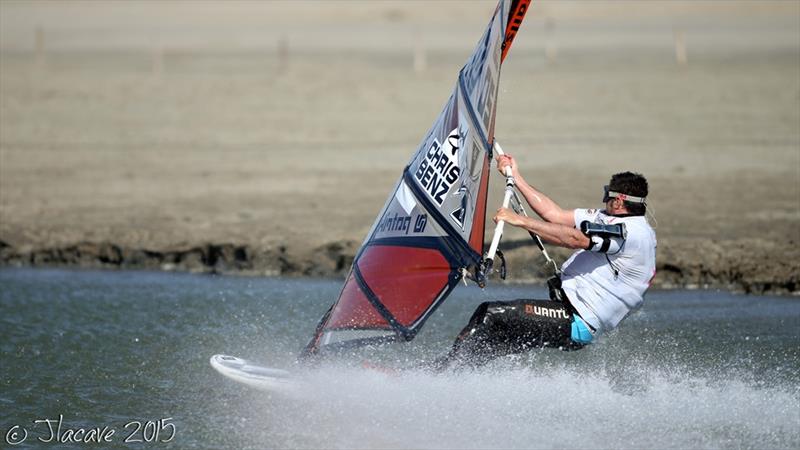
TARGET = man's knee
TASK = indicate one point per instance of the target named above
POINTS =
(486, 310)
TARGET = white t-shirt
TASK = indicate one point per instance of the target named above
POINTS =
(604, 286)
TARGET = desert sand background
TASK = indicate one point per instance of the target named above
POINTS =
(264, 137)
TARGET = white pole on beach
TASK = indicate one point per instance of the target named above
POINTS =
(420, 55)
(157, 61)
(39, 47)
(550, 46)
(681, 56)
(283, 53)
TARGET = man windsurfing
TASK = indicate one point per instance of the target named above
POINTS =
(600, 284)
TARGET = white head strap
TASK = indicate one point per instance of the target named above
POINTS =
(626, 197)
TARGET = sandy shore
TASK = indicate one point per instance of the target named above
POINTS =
(132, 140)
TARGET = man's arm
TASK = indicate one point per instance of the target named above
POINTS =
(543, 205)
(552, 233)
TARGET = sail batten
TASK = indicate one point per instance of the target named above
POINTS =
(431, 229)
(470, 110)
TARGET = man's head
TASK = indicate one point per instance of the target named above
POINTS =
(626, 193)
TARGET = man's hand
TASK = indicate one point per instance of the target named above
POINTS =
(507, 161)
(508, 216)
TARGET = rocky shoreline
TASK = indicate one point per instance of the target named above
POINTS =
(746, 266)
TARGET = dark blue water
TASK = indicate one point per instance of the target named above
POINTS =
(121, 350)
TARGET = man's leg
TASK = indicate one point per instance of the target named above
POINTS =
(502, 328)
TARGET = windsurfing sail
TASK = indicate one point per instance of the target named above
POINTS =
(430, 233)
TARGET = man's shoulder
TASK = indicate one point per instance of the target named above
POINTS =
(638, 228)
(589, 214)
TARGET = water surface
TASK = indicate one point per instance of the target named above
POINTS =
(693, 369)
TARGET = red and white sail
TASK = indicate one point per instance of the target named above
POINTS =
(431, 228)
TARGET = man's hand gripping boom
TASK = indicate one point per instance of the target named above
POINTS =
(488, 261)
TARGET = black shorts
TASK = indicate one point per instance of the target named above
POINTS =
(508, 327)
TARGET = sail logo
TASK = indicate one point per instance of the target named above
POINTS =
(420, 223)
(402, 224)
(458, 217)
(439, 169)
(460, 214)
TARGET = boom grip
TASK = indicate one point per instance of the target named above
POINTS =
(488, 261)
(498, 229)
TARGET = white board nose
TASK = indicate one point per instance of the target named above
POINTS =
(254, 375)
(221, 362)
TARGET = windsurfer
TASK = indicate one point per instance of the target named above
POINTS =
(601, 283)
